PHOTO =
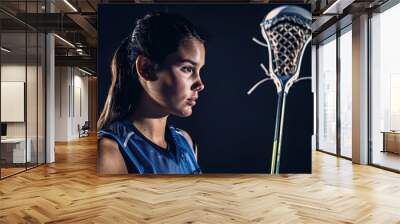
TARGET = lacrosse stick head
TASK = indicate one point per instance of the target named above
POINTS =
(287, 31)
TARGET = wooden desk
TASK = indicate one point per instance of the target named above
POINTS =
(13, 150)
(391, 141)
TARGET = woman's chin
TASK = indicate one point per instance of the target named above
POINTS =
(185, 112)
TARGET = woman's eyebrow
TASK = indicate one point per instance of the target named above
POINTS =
(188, 60)
(191, 62)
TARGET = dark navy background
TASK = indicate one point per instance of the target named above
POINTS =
(233, 130)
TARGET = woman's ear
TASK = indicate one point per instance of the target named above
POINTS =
(145, 68)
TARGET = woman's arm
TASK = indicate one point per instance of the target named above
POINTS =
(109, 158)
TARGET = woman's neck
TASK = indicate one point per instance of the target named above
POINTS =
(153, 129)
(150, 121)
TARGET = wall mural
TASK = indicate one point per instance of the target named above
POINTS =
(174, 85)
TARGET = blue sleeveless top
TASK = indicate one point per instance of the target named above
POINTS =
(145, 157)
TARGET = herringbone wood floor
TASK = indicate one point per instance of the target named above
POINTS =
(69, 191)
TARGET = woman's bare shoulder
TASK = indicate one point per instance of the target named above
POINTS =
(186, 135)
(190, 141)
(109, 157)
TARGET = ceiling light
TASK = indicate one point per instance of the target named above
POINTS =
(84, 71)
(70, 5)
(337, 7)
(5, 50)
(331, 7)
(65, 41)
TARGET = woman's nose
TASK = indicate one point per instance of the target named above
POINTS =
(198, 85)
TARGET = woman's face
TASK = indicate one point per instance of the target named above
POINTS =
(178, 81)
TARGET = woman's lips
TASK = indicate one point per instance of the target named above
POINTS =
(192, 101)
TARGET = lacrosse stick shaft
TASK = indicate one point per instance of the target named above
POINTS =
(282, 118)
(276, 133)
(276, 147)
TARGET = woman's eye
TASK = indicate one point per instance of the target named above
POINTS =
(187, 69)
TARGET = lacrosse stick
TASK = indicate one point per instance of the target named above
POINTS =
(287, 31)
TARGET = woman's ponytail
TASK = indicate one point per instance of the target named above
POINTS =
(125, 89)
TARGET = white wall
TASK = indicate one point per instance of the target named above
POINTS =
(50, 92)
(71, 93)
(16, 72)
(61, 103)
(80, 102)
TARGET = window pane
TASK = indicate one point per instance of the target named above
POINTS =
(327, 96)
(345, 94)
(385, 87)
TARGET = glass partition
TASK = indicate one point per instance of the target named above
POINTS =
(13, 94)
(22, 88)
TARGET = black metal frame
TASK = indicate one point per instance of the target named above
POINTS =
(0, 92)
(369, 114)
(316, 98)
(338, 98)
(26, 88)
